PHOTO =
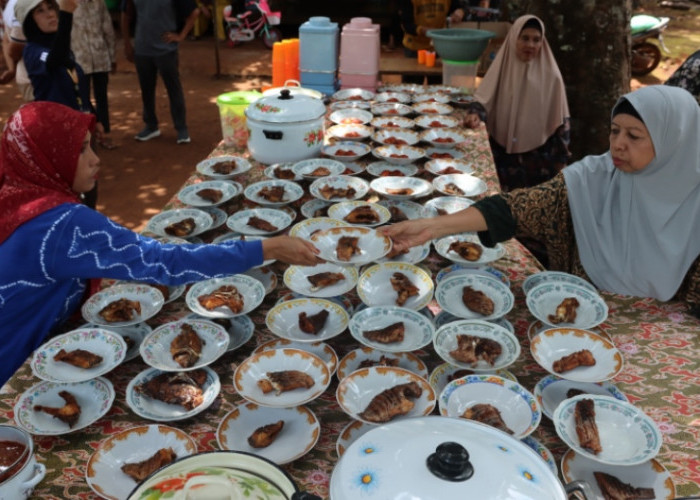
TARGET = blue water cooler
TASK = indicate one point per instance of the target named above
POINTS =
(318, 54)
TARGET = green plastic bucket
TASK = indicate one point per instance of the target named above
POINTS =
(232, 106)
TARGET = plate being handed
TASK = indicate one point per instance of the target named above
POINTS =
(361, 245)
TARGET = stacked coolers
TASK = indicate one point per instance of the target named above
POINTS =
(318, 54)
(359, 54)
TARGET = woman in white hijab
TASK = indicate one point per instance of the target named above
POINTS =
(622, 220)
(523, 101)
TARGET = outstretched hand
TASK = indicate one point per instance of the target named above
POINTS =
(291, 250)
(410, 233)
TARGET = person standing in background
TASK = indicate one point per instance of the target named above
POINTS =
(13, 42)
(154, 51)
(419, 16)
(92, 42)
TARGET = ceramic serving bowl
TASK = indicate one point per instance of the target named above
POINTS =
(24, 473)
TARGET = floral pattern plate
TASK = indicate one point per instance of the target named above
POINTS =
(305, 168)
(418, 330)
(447, 372)
(296, 279)
(341, 210)
(488, 255)
(283, 319)
(150, 298)
(95, 398)
(133, 336)
(375, 289)
(279, 219)
(387, 169)
(189, 195)
(252, 290)
(401, 188)
(306, 228)
(543, 300)
(449, 295)
(371, 244)
(202, 220)
(292, 192)
(554, 276)
(206, 167)
(345, 150)
(240, 328)
(398, 155)
(339, 182)
(264, 275)
(552, 390)
(367, 356)
(349, 434)
(298, 436)
(320, 349)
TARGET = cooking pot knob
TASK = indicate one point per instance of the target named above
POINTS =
(285, 94)
(450, 462)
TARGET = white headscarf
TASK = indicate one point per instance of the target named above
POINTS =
(636, 232)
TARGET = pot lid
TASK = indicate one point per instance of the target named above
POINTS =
(286, 107)
(443, 458)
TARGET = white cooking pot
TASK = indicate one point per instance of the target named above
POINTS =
(294, 88)
(19, 481)
(439, 458)
(285, 127)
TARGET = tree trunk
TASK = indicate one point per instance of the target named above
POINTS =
(591, 43)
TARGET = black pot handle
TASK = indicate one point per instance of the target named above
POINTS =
(302, 495)
(274, 135)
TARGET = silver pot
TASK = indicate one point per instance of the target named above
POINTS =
(435, 458)
(285, 127)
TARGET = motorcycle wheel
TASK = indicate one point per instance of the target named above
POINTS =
(645, 58)
(271, 36)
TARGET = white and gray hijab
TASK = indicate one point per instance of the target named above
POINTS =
(636, 232)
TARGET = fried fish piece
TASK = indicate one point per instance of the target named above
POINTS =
(314, 323)
(565, 312)
(574, 392)
(181, 228)
(382, 361)
(470, 349)
(186, 347)
(397, 215)
(584, 357)
(614, 489)
(586, 427)
(391, 403)
(261, 224)
(400, 191)
(347, 247)
(388, 334)
(224, 167)
(286, 380)
(68, 413)
(78, 357)
(449, 170)
(403, 287)
(329, 192)
(210, 194)
(477, 301)
(467, 250)
(139, 471)
(273, 194)
(264, 436)
(487, 414)
(285, 173)
(226, 295)
(454, 189)
(364, 214)
(121, 310)
(182, 388)
(320, 172)
(322, 280)
(459, 374)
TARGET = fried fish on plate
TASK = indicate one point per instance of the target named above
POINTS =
(264, 436)
(470, 349)
(138, 471)
(181, 228)
(121, 310)
(183, 388)
(322, 280)
(391, 403)
(273, 194)
(261, 224)
(487, 414)
(210, 194)
(364, 214)
(467, 250)
(404, 288)
(614, 489)
(186, 347)
(586, 427)
(584, 357)
(285, 380)
(347, 247)
(226, 295)
(477, 301)
(314, 323)
(388, 334)
(78, 357)
(565, 312)
(68, 413)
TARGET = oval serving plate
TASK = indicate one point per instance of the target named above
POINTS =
(230, 166)
(320, 349)
(338, 188)
(364, 357)
(488, 254)
(375, 288)
(401, 188)
(189, 195)
(543, 300)
(449, 295)
(150, 299)
(291, 192)
(447, 372)
(252, 291)
(283, 319)
(552, 390)
(296, 278)
(459, 185)
(343, 211)
(418, 329)
(239, 221)
(370, 244)
(160, 222)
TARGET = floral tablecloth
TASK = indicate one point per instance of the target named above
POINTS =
(660, 343)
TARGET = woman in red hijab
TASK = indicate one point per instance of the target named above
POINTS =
(51, 245)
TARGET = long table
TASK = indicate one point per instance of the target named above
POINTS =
(660, 343)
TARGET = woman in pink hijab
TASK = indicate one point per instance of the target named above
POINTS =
(523, 102)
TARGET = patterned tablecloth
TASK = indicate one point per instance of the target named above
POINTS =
(660, 343)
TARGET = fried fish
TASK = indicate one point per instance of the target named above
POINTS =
(314, 323)
(226, 295)
(320, 172)
(78, 357)
(182, 388)
(584, 357)
(382, 361)
(487, 414)
(224, 167)
(391, 403)
(388, 334)
(363, 214)
(400, 191)
(68, 413)
(322, 280)
(454, 189)
(614, 489)
(403, 287)
(477, 301)
(286, 380)
(264, 436)
(139, 471)
(347, 247)
(273, 194)
(397, 215)
(261, 224)
(586, 427)
(121, 310)
(471, 349)
(186, 347)
(565, 312)
(181, 228)
(467, 250)
(210, 194)
(329, 192)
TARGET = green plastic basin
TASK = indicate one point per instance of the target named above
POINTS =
(460, 44)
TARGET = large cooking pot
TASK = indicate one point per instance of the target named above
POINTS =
(294, 88)
(23, 472)
(285, 127)
(233, 475)
(438, 458)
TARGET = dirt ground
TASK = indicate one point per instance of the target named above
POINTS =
(137, 179)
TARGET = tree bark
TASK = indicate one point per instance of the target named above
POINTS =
(591, 43)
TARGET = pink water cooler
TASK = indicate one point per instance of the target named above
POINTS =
(359, 54)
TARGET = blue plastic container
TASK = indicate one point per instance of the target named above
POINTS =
(318, 45)
(317, 78)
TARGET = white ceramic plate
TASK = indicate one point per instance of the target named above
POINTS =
(335, 105)
(252, 290)
(432, 108)
(649, 474)
(305, 168)
(396, 136)
(414, 255)
(553, 344)
(391, 109)
(459, 185)
(150, 298)
(552, 390)
(264, 275)
(360, 187)
(445, 205)
(155, 348)
(627, 435)
(354, 359)
(374, 286)
(440, 137)
(160, 411)
(349, 132)
(278, 218)
(206, 167)
(446, 167)
(399, 155)
(95, 398)
(306, 228)
(388, 186)
(315, 209)
(298, 436)
(356, 391)
(372, 245)
(354, 94)
(272, 172)
(103, 472)
(441, 97)
(445, 340)
(350, 115)
(349, 434)
(240, 329)
(392, 122)
(461, 99)
(392, 96)
(554, 276)
(342, 300)
(188, 195)
(387, 169)
(543, 453)
(455, 269)
(544, 299)
(418, 330)
(283, 319)
(488, 255)
(135, 333)
(447, 372)
(449, 295)
(105, 343)
(296, 279)
(202, 220)
(341, 210)
(518, 407)
(320, 349)
(402, 209)
(256, 367)
(292, 192)
(433, 153)
(437, 121)
(353, 168)
(345, 150)
(443, 318)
